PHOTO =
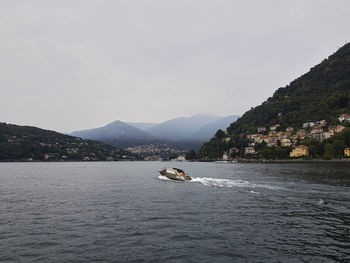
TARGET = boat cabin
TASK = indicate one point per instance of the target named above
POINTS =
(180, 172)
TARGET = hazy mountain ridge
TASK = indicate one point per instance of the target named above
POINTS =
(183, 128)
(115, 130)
(144, 126)
(207, 131)
(182, 133)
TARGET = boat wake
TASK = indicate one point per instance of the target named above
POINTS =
(220, 182)
(217, 182)
(161, 177)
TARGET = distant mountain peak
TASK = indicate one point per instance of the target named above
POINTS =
(182, 129)
(116, 133)
(116, 123)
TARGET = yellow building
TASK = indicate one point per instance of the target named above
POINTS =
(249, 150)
(299, 151)
(347, 152)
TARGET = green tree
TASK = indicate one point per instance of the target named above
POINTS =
(313, 151)
(329, 151)
(346, 134)
(173, 156)
(339, 147)
(275, 153)
(220, 134)
(191, 155)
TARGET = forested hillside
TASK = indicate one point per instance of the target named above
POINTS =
(321, 94)
(31, 143)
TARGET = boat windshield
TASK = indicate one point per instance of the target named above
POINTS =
(179, 170)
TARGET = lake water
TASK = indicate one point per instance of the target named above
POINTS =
(125, 212)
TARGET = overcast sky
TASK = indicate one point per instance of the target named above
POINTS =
(68, 65)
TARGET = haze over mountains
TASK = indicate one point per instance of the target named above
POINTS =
(183, 133)
(118, 134)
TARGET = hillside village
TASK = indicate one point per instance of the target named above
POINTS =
(289, 138)
(155, 151)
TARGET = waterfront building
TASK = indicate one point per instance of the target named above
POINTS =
(225, 156)
(347, 152)
(181, 158)
(249, 150)
(299, 151)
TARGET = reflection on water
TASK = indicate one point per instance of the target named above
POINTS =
(125, 211)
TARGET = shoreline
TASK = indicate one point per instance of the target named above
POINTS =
(342, 160)
(241, 160)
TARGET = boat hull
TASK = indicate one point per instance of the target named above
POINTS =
(174, 176)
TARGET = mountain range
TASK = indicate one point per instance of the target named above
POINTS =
(181, 133)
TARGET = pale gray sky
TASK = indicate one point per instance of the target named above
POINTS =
(77, 64)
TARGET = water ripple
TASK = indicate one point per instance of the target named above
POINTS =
(122, 212)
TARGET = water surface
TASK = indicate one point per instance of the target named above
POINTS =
(126, 212)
